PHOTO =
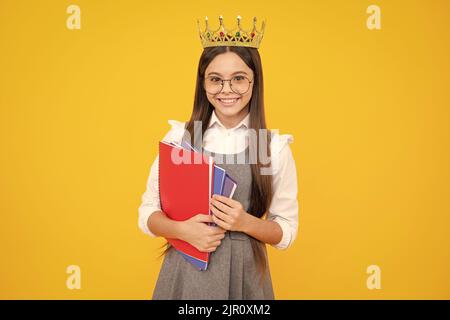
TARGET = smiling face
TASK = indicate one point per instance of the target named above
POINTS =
(230, 107)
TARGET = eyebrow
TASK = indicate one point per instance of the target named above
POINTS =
(231, 74)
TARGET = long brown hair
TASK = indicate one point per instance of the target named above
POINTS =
(261, 186)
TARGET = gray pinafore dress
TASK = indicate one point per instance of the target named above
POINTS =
(231, 272)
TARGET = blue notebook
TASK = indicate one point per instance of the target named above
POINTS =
(200, 265)
(219, 179)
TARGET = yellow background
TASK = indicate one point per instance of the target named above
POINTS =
(81, 112)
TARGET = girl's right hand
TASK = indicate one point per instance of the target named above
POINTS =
(202, 236)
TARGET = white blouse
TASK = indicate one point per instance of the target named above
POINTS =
(219, 139)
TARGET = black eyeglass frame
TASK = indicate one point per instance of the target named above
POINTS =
(222, 81)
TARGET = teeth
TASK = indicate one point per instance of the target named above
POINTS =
(228, 100)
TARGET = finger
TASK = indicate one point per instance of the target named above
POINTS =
(201, 217)
(218, 230)
(218, 237)
(228, 201)
(212, 244)
(219, 214)
(220, 205)
(221, 223)
(215, 243)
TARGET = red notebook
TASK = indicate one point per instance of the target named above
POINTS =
(185, 187)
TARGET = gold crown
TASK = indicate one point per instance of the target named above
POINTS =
(235, 37)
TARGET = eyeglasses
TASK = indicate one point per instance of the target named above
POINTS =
(238, 84)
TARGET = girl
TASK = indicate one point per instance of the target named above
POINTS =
(264, 208)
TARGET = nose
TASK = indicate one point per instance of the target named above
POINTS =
(226, 86)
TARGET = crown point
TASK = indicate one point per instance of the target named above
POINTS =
(206, 17)
(239, 17)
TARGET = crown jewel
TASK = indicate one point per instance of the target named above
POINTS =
(231, 37)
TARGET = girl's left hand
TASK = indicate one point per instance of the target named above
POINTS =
(228, 214)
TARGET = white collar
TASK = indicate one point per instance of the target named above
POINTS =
(244, 122)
